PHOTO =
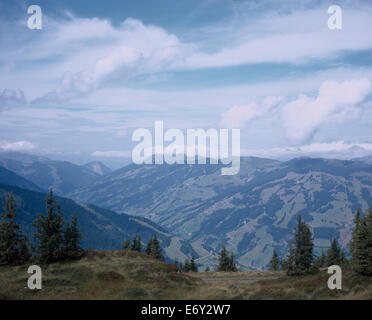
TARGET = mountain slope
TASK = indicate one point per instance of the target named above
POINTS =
(366, 159)
(62, 176)
(10, 178)
(102, 228)
(252, 212)
(98, 168)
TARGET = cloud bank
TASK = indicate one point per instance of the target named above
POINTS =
(304, 115)
(17, 146)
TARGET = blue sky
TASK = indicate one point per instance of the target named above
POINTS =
(98, 70)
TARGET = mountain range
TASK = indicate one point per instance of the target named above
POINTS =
(251, 213)
(62, 176)
(102, 229)
(11, 178)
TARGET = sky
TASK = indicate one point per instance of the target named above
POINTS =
(98, 70)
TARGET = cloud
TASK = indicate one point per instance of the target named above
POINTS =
(295, 36)
(132, 48)
(17, 146)
(239, 116)
(304, 115)
(75, 56)
(155, 150)
(334, 149)
(10, 97)
(112, 154)
(122, 61)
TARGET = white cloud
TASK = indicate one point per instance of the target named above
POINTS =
(239, 116)
(87, 54)
(336, 146)
(334, 149)
(112, 154)
(156, 150)
(17, 146)
(125, 51)
(304, 115)
(296, 36)
(11, 97)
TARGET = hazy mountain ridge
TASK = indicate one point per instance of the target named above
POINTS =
(102, 229)
(11, 178)
(366, 159)
(62, 176)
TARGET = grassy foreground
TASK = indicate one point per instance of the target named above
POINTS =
(132, 275)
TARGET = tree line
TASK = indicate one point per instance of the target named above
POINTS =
(300, 259)
(54, 238)
(153, 248)
(226, 263)
(187, 266)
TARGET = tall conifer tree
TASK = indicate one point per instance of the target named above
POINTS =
(361, 244)
(13, 245)
(71, 241)
(193, 266)
(301, 251)
(275, 261)
(156, 249)
(49, 232)
(334, 254)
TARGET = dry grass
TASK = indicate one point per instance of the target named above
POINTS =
(131, 275)
(239, 274)
(99, 275)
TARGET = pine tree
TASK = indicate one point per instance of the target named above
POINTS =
(301, 251)
(223, 260)
(139, 244)
(361, 244)
(156, 249)
(149, 247)
(176, 264)
(186, 266)
(274, 262)
(343, 258)
(319, 261)
(24, 251)
(284, 264)
(13, 245)
(126, 245)
(226, 261)
(71, 240)
(49, 232)
(355, 240)
(232, 264)
(334, 254)
(193, 267)
(136, 244)
(323, 259)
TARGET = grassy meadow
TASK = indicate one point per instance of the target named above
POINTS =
(132, 275)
